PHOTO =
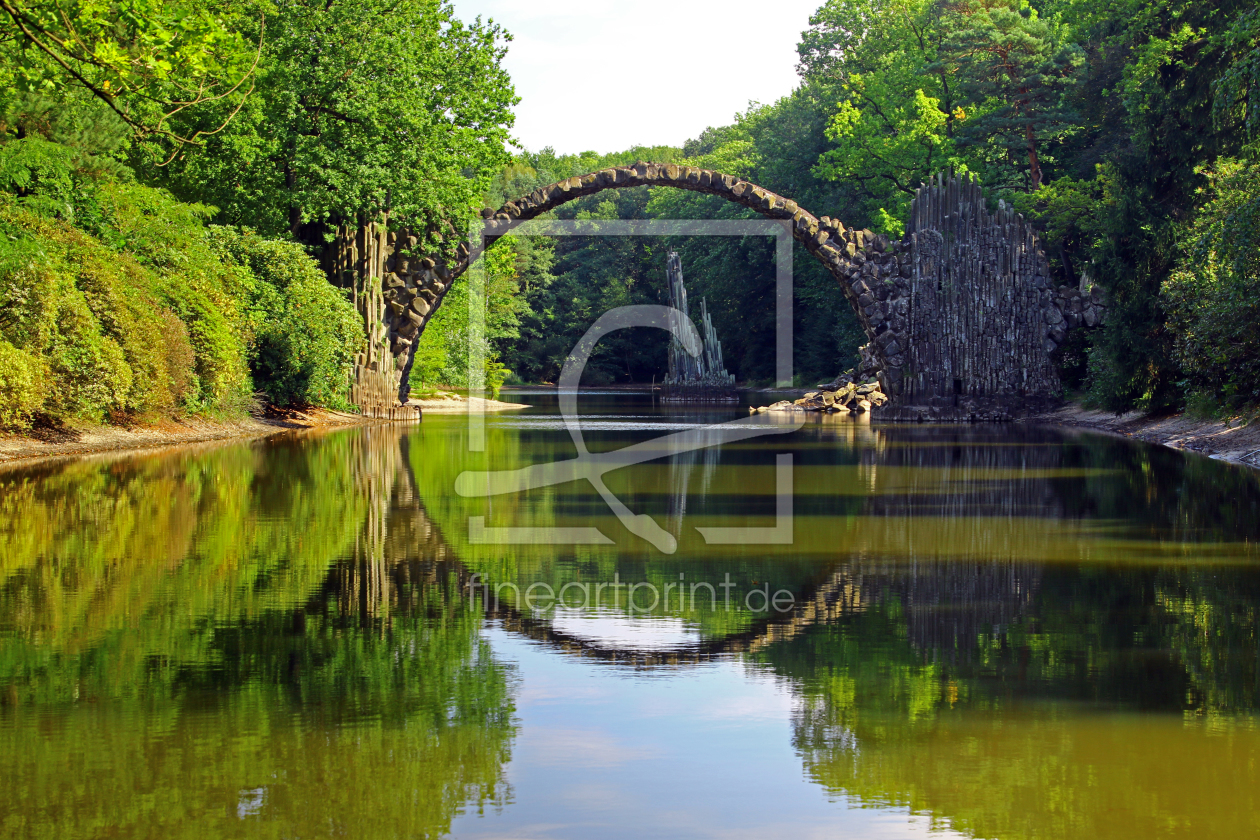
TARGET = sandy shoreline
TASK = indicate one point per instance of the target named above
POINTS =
(451, 403)
(71, 441)
(1223, 440)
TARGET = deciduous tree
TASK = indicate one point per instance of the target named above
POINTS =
(362, 106)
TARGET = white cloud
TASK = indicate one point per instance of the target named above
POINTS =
(604, 75)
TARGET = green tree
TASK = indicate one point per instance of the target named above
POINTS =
(362, 106)
(1238, 89)
(154, 63)
(1213, 297)
(1168, 56)
(304, 331)
(896, 102)
(1013, 66)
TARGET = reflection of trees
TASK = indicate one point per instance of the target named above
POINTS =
(1016, 700)
(1031, 494)
(1173, 495)
(92, 547)
(301, 655)
(1045, 772)
(1037, 702)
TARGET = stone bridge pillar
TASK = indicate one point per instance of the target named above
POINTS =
(366, 260)
(982, 316)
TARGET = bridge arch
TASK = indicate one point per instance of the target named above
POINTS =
(959, 314)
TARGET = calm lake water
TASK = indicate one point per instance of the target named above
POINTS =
(955, 631)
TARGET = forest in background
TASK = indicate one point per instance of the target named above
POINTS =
(170, 173)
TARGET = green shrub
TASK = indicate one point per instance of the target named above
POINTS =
(133, 305)
(116, 286)
(305, 331)
(99, 319)
(168, 237)
(115, 335)
(23, 385)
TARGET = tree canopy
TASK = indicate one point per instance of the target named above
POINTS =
(153, 63)
(361, 106)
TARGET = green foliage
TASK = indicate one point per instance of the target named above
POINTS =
(1165, 59)
(168, 270)
(1237, 91)
(146, 60)
(896, 103)
(305, 331)
(361, 106)
(34, 165)
(23, 380)
(1213, 297)
(102, 323)
(442, 354)
(584, 278)
(120, 293)
(291, 120)
(1113, 126)
(1012, 67)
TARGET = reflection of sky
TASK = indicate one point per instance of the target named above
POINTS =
(611, 630)
(699, 752)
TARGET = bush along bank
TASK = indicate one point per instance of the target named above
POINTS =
(118, 302)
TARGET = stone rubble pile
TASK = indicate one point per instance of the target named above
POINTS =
(1074, 306)
(849, 398)
(868, 370)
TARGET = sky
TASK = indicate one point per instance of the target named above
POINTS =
(605, 75)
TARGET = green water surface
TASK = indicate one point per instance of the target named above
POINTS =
(985, 631)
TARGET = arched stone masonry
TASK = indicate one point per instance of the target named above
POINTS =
(959, 313)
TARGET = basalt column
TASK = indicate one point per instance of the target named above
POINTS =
(393, 294)
(981, 310)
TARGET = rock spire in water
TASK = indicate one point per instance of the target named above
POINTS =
(706, 370)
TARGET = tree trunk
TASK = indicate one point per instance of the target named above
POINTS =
(1034, 166)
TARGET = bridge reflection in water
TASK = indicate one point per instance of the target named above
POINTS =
(1012, 633)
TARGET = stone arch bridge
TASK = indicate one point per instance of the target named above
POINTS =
(960, 314)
